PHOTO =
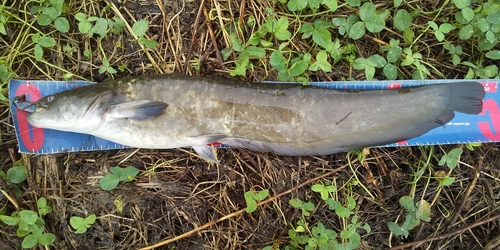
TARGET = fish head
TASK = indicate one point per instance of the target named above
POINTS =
(78, 110)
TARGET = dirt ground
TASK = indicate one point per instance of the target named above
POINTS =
(177, 193)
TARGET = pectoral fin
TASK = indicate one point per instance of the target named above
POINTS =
(138, 110)
(200, 145)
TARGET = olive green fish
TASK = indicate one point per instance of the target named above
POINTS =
(171, 111)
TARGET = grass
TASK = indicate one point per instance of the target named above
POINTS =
(448, 195)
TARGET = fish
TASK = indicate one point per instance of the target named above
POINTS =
(175, 111)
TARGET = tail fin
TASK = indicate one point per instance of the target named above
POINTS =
(466, 97)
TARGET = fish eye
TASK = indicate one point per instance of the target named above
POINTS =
(50, 98)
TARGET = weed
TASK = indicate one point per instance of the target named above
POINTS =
(451, 158)
(252, 198)
(417, 212)
(82, 224)
(320, 237)
(49, 12)
(140, 27)
(31, 225)
(310, 20)
(15, 175)
(111, 180)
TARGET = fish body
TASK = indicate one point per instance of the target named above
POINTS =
(171, 111)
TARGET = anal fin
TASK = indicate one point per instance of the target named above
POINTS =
(206, 152)
(200, 145)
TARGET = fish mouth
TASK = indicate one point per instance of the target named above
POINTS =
(21, 103)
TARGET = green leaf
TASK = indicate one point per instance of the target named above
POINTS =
(109, 182)
(296, 203)
(493, 54)
(150, 44)
(16, 174)
(367, 10)
(488, 71)
(397, 3)
(51, 12)
(242, 64)
(128, 174)
(424, 211)
(494, 18)
(44, 210)
(390, 71)
(411, 221)
(321, 34)
(461, 3)
(46, 239)
(58, 5)
(447, 181)
(446, 28)
(80, 17)
(353, 3)
(394, 54)
(61, 24)
(343, 212)
(28, 216)
(251, 206)
(321, 62)
(29, 241)
(306, 29)
(9, 220)
(140, 27)
(483, 25)
(118, 171)
(100, 27)
(317, 187)
(359, 63)
(375, 24)
(331, 4)
(277, 60)
(261, 195)
(44, 20)
(298, 68)
(41, 202)
(3, 31)
(90, 220)
(351, 203)
(466, 32)
(369, 72)
(84, 27)
(236, 43)
(357, 30)
(36, 9)
(467, 14)
(47, 42)
(407, 202)
(396, 229)
(402, 20)
(80, 224)
(433, 25)
(308, 206)
(314, 4)
(281, 29)
(294, 5)
(378, 60)
(439, 35)
(408, 36)
(255, 52)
